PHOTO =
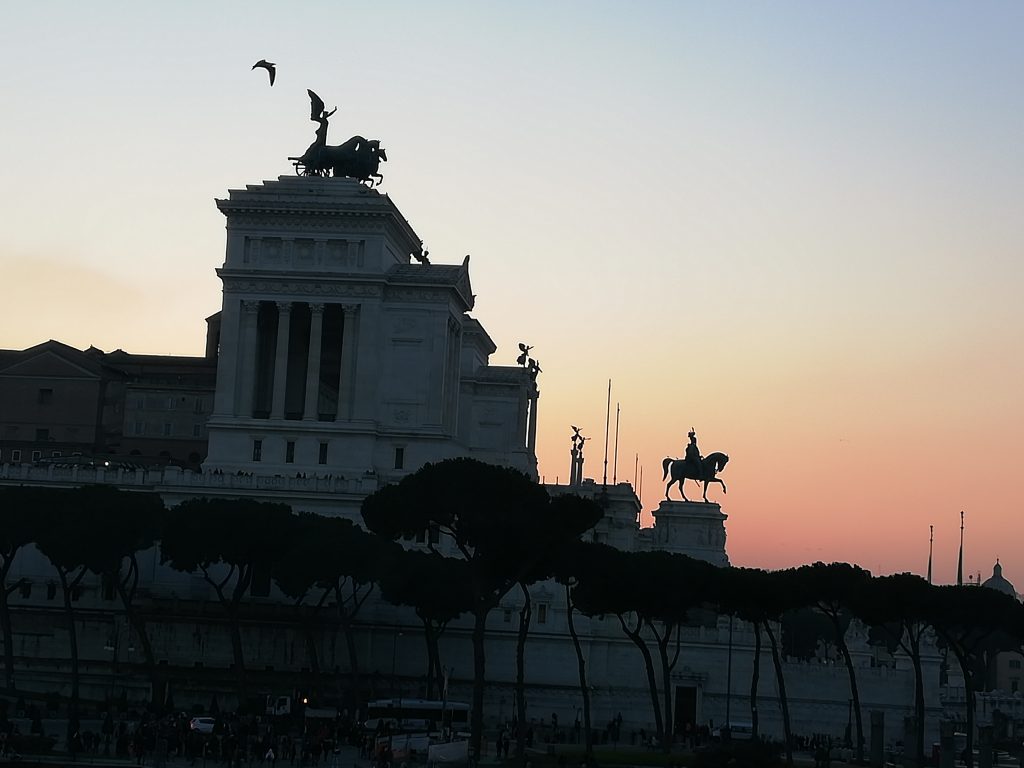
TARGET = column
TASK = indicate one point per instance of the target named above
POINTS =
(225, 397)
(531, 435)
(346, 380)
(284, 325)
(247, 358)
(311, 409)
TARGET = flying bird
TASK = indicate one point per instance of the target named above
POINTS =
(270, 66)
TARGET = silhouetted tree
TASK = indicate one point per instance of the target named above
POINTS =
(19, 522)
(574, 564)
(330, 559)
(965, 618)
(897, 607)
(739, 592)
(781, 592)
(652, 594)
(491, 516)
(227, 541)
(438, 589)
(124, 523)
(834, 589)
(549, 545)
(65, 534)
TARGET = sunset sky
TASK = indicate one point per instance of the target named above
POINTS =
(797, 227)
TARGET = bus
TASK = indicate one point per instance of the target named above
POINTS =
(416, 716)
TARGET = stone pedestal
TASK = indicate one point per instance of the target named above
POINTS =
(692, 528)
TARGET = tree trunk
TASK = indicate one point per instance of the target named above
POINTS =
(652, 680)
(581, 665)
(353, 656)
(476, 721)
(915, 656)
(666, 682)
(312, 652)
(524, 629)
(755, 678)
(69, 613)
(854, 691)
(435, 677)
(855, 695)
(138, 624)
(783, 700)
(237, 651)
(8, 631)
(969, 696)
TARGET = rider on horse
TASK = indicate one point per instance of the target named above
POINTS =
(693, 457)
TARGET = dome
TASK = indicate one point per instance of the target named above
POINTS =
(998, 582)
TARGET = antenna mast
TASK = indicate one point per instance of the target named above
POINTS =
(607, 424)
(615, 461)
(931, 538)
(960, 562)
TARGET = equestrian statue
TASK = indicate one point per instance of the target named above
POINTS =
(693, 466)
(357, 158)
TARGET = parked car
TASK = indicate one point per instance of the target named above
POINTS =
(202, 724)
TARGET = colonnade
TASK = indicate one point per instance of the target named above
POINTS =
(263, 371)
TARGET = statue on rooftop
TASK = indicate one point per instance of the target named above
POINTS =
(694, 467)
(357, 158)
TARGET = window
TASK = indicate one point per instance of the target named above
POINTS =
(167, 429)
(197, 430)
(199, 405)
(171, 403)
(507, 616)
(51, 590)
(323, 453)
(54, 454)
(15, 456)
(25, 587)
(542, 613)
(1014, 663)
(42, 434)
(45, 396)
(289, 452)
(399, 458)
(140, 427)
(257, 450)
(37, 455)
(1014, 685)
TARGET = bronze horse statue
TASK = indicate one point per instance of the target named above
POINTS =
(710, 466)
(357, 158)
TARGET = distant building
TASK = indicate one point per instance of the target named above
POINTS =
(59, 403)
(1008, 673)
